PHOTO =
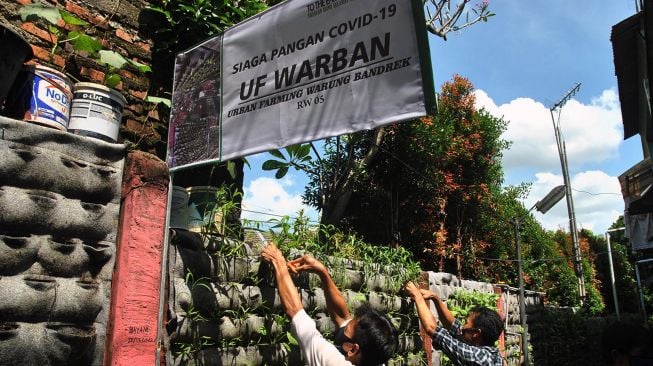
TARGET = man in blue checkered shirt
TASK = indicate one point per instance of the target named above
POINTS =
(471, 344)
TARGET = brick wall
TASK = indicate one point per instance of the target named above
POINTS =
(117, 25)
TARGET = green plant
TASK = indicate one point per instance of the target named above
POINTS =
(186, 349)
(190, 21)
(219, 212)
(460, 303)
(80, 41)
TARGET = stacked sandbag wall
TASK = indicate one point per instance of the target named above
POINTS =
(59, 211)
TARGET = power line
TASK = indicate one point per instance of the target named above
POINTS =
(529, 260)
(596, 194)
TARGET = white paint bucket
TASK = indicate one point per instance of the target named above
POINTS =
(43, 97)
(96, 111)
(179, 208)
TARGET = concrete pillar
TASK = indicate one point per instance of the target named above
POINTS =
(131, 338)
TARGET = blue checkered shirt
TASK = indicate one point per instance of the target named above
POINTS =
(461, 353)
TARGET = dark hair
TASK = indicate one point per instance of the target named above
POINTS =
(489, 322)
(375, 335)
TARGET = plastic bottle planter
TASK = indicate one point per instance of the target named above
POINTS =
(250, 356)
(252, 327)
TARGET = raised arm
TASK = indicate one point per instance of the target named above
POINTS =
(288, 294)
(445, 316)
(425, 316)
(335, 302)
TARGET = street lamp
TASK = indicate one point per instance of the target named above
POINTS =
(562, 152)
(543, 206)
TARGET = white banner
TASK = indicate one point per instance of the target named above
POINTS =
(310, 69)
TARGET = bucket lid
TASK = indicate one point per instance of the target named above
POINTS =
(38, 67)
(100, 87)
(6, 32)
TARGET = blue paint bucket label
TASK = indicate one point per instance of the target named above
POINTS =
(49, 99)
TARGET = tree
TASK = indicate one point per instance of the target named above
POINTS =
(430, 184)
(356, 151)
(441, 19)
(623, 260)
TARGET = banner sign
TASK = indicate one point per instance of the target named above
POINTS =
(302, 71)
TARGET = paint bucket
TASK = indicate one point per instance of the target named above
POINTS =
(40, 95)
(179, 208)
(13, 53)
(201, 205)
(96, 111)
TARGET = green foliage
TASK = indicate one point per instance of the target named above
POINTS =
(191, 21)
(220, 212)
(623, 260)
(298, 157)
(79, 39)
(460, 303)
(566, 337)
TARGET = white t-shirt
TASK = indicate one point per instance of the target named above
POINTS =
(316, 350)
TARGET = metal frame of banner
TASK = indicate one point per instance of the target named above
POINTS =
(428, 85)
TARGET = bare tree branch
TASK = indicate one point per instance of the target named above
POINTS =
(442, 22)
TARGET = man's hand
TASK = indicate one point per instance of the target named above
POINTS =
(429, 295)
(288, 294)
(307, 263)
(273, 255)
(412, 290)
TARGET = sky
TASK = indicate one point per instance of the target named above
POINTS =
(521, 62)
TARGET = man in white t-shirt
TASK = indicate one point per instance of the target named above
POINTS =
(369, 339)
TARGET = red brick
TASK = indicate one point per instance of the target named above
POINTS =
(120, 33)
(127, 75)
(145, 47)
(85, 14)
(137, 108)
(45, 55)
(77, 10)
(154, 114)
(134, 125)
(42, 34)
(92, 74)
(138, 94)
(105, 43)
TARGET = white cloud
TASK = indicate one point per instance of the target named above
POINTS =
(595, 211)
(592, 132)
(269, 196)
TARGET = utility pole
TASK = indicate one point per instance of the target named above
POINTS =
(562, 151)
(612, 281)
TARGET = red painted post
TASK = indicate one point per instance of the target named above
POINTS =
(500, 309)
(427, 342)
(132, 329)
